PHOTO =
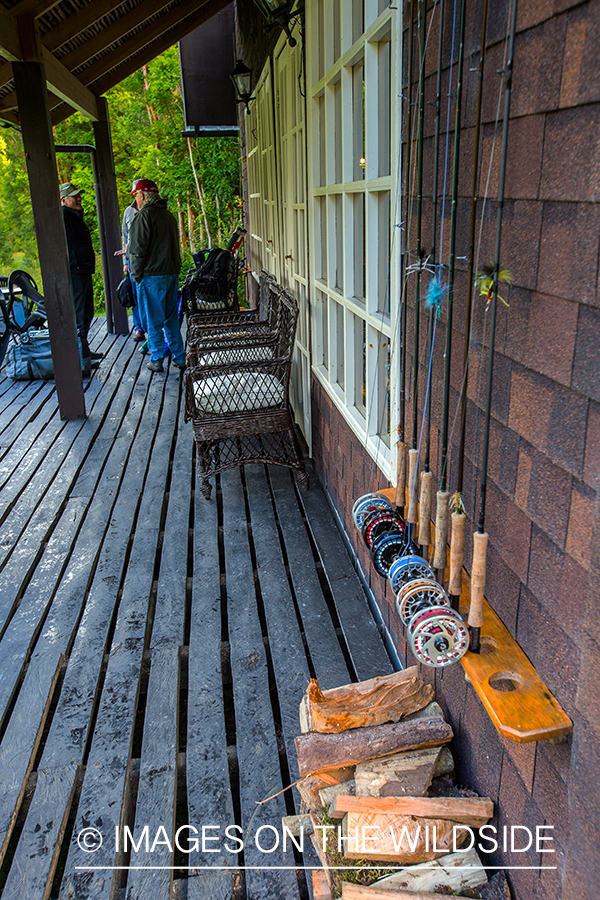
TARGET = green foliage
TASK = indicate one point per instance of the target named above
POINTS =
(146, 113)
(18, 248)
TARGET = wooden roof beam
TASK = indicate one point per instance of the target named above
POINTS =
(6, 72)
(188, 15)
(114, 32)
(33, 8)
(73, 25)
(59, 78)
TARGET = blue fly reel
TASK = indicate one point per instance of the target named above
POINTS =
(366, 504)
(389, 548)
(408, 568)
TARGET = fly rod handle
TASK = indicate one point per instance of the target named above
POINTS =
(402, 448)
(478, 579)
(413, 456)
(457, 549)
(425, 498)
(440, 560)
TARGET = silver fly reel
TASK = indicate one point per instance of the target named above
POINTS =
(438, 636)
(406, 569)
(366, 504)
(419, 595)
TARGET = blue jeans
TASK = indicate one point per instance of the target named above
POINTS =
(157, 297)
(136, 312)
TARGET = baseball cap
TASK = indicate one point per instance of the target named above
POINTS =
(144, 184)
(68, 189)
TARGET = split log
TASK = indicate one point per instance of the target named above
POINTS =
(320, 887)
(358, 892)
(404, 840)
(317, 843)
(320, 752)
(472, 811)
(310, 786)
(328, 794)
(387, 698)
(403, 774)
(456, 871)
(298, 825)
(444, 764)
(431, 711)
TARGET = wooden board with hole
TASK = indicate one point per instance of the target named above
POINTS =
(517, 701)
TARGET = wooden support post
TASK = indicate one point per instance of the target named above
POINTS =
(109, 222)
(32, 96)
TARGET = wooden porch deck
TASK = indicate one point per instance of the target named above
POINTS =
(154, 647)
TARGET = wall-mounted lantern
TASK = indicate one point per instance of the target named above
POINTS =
(242, 80)
(278, 12)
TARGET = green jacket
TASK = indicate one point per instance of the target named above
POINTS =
(153, 247)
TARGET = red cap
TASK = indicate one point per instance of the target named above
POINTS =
(144, 184)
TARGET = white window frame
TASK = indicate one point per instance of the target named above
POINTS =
(335, 90)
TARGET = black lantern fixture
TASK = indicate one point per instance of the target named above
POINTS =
(242, 80)
(278, 12)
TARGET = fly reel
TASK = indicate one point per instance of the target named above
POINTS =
(390, 547)
(438, 636)
(383, 522)
(408, 568)
(366, 504)
(419, 595)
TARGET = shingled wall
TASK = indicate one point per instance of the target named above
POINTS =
(542, 505)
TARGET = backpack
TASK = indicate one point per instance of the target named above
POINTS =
(29, 357)
(212, 287)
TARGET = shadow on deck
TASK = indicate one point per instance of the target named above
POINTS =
(154, 648)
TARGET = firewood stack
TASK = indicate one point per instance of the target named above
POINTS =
(374, 762)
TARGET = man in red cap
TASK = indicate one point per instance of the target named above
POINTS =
(154, 264)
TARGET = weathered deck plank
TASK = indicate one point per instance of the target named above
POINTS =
(141, 622)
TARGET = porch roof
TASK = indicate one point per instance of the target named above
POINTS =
(154, 646)
(88, 46)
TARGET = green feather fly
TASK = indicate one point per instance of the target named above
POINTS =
(485, 281)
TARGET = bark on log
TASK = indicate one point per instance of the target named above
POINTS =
(358, 892)
(381, 699)
(318, 752)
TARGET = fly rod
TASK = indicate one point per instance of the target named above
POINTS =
(480, 538)
(413, 453)
(432, 302)
(402, 448)
(451, 267)
(458, 514)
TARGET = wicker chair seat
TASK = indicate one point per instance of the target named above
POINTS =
(238, 392)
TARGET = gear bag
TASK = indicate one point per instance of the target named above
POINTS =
(29, 357)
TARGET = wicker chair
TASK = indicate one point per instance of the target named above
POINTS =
(235, 327)
(237, 393)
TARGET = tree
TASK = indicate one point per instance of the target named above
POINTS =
(199, 177)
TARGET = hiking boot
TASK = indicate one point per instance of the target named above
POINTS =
(177, 365)
(156, 366)
(94, 355)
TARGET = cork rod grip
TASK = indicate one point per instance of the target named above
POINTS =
(412, 474)
(402, 449)
(478, 580)
(425, 499)
(457, 548)
(441, 530)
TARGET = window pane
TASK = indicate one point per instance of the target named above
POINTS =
(359, 247)
(360, 365)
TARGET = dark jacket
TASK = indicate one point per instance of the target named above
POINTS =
(153, 247)
(79, 241)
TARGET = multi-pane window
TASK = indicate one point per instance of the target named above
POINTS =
(355, 230)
